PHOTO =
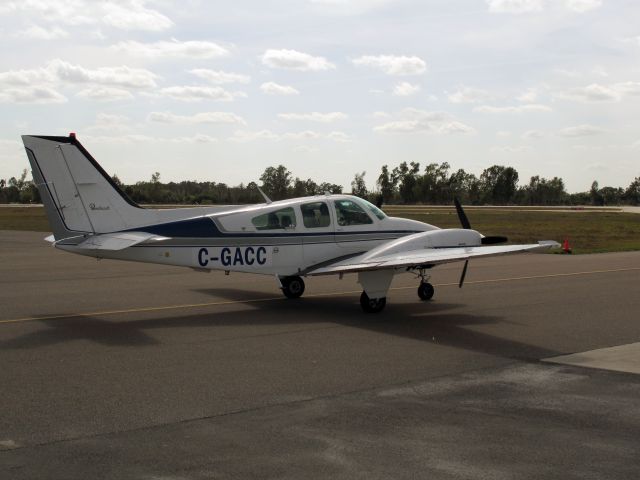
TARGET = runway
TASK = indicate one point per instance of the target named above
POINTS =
(121, 370)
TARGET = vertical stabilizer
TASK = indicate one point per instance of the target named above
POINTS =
(78, 195)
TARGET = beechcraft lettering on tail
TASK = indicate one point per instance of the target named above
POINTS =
(287, 240)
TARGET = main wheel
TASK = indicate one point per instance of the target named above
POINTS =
(425, 291)
(292, 287)
(372, 305)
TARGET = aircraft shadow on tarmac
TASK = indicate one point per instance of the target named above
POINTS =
(432, 322)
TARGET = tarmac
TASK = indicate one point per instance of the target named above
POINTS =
(133, 371)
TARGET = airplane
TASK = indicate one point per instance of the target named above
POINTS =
(287, 239)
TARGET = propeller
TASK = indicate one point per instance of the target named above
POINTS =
(490, 240)
(464, 221)
(464, 273)
(379, 201)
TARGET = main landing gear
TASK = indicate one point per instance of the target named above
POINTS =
(425, 289)
(292, 287)
(372, 305)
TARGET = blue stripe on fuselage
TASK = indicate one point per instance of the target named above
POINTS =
(203, 227)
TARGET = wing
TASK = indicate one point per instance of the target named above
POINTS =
(425, 257)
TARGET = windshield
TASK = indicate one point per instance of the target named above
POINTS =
(376, 211)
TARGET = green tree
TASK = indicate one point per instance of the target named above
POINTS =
(407, 178)
(276, 182)
(594, 193)
(359, 186)
(387, 183)
(498, 184)
(632, 193)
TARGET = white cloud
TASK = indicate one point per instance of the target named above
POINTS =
(26, 77)
(111, 119)
(590, 93)
(242, 136)
(133, 15)
(529, 96)
(582, 6)
(529, 6)
(531, 107)
(532, 134)
(37, 32)
(515, 6)
(122, 76)
(339, 137)
(411, 120)
(68, 12)
(105, 94)
(196, 93)
(203, 117)
(138, 138)
(405, 89)
(220, 77)
(511, 149)
(503, 133)
(581, 131)
(350, 7)
(294, 60)
(272, 88)
(31, 95)
(173, 48)
(314, 116)
(393, 64)
(112, 80)
(628, 88)
(469, 95)
(109, 123)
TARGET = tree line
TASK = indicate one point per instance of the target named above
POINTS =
(406, 183)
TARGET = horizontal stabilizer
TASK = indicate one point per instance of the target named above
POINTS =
(118, 240)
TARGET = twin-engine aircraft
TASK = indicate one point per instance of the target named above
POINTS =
(288, 239)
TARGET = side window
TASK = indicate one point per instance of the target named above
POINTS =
(315, 215)
(283, 218)
(350, 213)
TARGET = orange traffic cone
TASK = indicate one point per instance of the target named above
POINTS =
(566, 248)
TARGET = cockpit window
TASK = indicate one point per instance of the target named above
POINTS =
(376, 211)
(350, 213)
(315, 215)
(283, 218)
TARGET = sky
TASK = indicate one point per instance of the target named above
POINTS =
(218, 91)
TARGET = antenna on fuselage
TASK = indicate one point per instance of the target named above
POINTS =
(266, 199)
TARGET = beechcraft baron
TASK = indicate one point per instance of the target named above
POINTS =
(288, 239)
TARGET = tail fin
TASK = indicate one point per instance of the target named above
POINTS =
(79, 196)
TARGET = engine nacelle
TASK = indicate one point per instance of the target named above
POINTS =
(449, 237)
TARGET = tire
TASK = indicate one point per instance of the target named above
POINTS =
(292, 287)
(370, 305)
(426, 291)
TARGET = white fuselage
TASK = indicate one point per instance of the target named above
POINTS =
(281, 238)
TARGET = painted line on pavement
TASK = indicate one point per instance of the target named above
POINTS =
(314, 295)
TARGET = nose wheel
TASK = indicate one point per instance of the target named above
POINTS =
(292, 287)
(425, 291)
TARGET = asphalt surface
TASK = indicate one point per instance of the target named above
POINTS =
(122, 370)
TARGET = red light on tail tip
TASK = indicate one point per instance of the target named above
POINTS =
(72, 135)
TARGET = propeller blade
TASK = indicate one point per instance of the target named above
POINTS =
(461, 215)
(464, 273)
(494, 240)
